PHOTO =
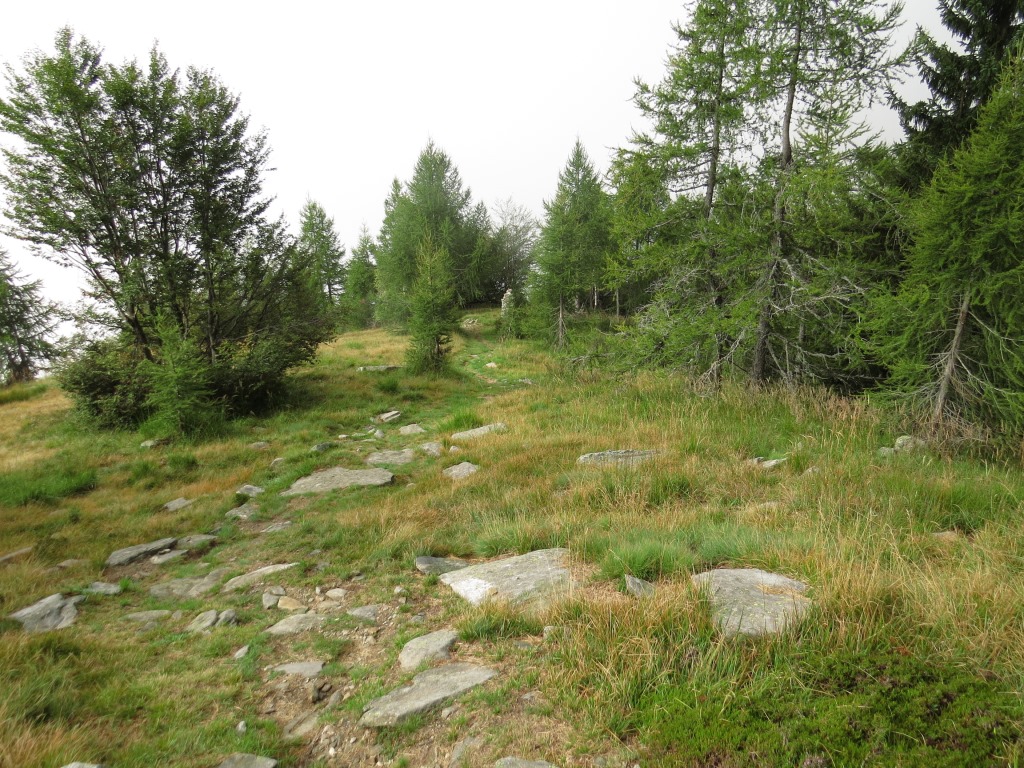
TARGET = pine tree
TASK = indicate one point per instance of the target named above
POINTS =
(357, 302)
(432, 310)
(27, 324)
(319, 246)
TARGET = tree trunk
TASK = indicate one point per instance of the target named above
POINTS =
(560, 330)
(953, 357)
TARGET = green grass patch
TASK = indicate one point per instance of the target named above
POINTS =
(46, 483)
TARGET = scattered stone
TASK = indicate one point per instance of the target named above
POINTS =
(624, 458)
(399, 590)
(519, 762)
(196, 586)
(434, 449)
(462, 751)
(82, 765)
(250, 490)
(259, 445)
(277, 589)
(412, 429)
(388, 417)
(639, 587)
(750, 601)
(886, 452)
(202, 622)
(10, 557)
(377, 368)
(147, 617)
(154, 443)
(812, 471)
(320, 690)
(337, 594)
(227, 618)
(179, 503)
(240, 760)
(428, 648)
(297, 622)
(909, 444)
(196, 542)
(166, 557)
(244, 512)
(527, 382)
(538, 574)
(241, 653)
(366, 612)
(946, 537)
(241, 728)
(138, 551)
(469, 434)
(289, 604)
(454, 449)
(337, 478)
(429, 689)
(103, 588)
(322, 447)
(302, 725)
(303, 668)
(460, 471)
(66, 564)
(277, 464)
(391, 457)
(766, 464)
(438, 565)
(470, 322)
(53, 612)
(491, 365)
(269, 601)
(254, 577)
(277, 527)
(550, 631)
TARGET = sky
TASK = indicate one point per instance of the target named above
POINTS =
(351, 92)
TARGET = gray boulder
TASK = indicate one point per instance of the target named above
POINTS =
(536, 575)
(428, 648)
(10, 557)
(240, 760)
(179, 503)
(438, 565)
(366, 612)
(389, 416)
(337, 478)
(428, 690)
(434, 449)
(461, 471)
(412, 429)
(469, 434)
(249, 490)
(749, 601)
(301, 668)
(639, 587)
(296, 623)
(623, 458)
(103, 588)
(202, 622)
(138, 551)
(53, 612)
(255, 577)
(391, 457)
(196, 586)
(244, 512)
(519, 762)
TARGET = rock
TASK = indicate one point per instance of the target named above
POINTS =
(432, 449)
(241, 728)
(165, 557)
(460, 471)
(302, 725)
(428, 648)
(389, 416)
(289, 604)
(82, 765)
(491, 365)
(766, 464)
(639, 587)
(378, 434)
(463, 749)
(240, 760)
(269, 601)
(146, 617)
(202, 622)
(277, 464)
(244, 512)
(412, 429)
(366, 612)
(337, 478)
(812, 471)
(624, 458)
(470, 322)
(197, 586)
(254, 577)
(337, 594)
(303, 668)
(538, 574)
(196, 542)
(227, 618)
(72, 563)
(277, 527)
(277, 589)
(241, 653)
(391, 457)
(250, 490)
(147, 444)
(297, 622)
(53, 612)
(886, 452)
(750, 601)
(469, 434)
(138, 551)
(551, 631)
(319, 690)
(259, 445)
(179, 503)
(322, 447)
(377, 368)
(519, 762)
(946, 537)
(103, 588)
(909, 444)
(438, 565)
(429, 689)
(10, 557)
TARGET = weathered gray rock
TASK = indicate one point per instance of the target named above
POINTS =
(539, 574)
(909, 444)
(296, 623)
(750, 601)
(82, 765)
(244, 512)
(166, 557)
(624, 458)
(412, 429)
(389, 416)
(428, 648)
(303, 668)
(639, 587)
(277, 527)
(147, 617)
(378, 434)
(154, 443)
(277, 589)
(241, 653)
(366, 612)
(438, 565)
(240, 760)
(303, 725)
(70, 563)
(176, 504)
(767, 464)
(277, 464)
(885, 452)
(377, 368)
(434, 449)
(463, 749)
(269, 601)
(461, 471)
(259, 445)
(519, 762)
(10, 557)
(196, 586)
(337, 593)
(202, 622)
(428, 690)
(255, 577)
(197, 542)
(53, 612)
(103, 588)
(491, 364)
(391, 457)
(138, 551)
(337, 478)
(469, 434)
(286, 603)
(322, 447)
(250, 490)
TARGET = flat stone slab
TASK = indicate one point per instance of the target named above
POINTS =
(766, 464)
(461, 471)
(412, 429)
(138, 551)
(53, 612)
(277, 527)
(428, 690)
(243, 512)
(147, 616)
(196, 541)
(519, 762)
(196, 586)
(389, 416)
(749, 601)
(391, 457)
(10, 557)
(428, 648)
(176, 504)
(623, 458)
(255, 577)
(366, 612)
(103, 588)
(166, 557)
(438, 565)
(203, 621)
(250, 490)
(296, 623)
(336, 478)
(241, 760)
(302, 668)
(434, 449)
(639, 587)
(469, 434)
(377, 368)
(537, 574)
(82, 765)
(337, 593)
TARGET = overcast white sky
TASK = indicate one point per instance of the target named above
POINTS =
(351, 92)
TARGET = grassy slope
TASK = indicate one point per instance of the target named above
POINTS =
(912, 655)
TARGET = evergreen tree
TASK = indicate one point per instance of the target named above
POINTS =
(319, 246)
(357, 302)
(514, 240)
(433, 310)
(27, 324)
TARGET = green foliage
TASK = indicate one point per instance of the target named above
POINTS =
(107, 381)
(27, 322)
(45, 483)
(356, 304)
(497, 622)
(181, 396)
(433, 315)
(19, 393)
(321, 252)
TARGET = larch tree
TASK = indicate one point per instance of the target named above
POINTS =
(357, 302)
(27, 326)
(318, 245)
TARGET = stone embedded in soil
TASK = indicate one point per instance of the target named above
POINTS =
(428, 648)
(10, 557)
(303, 725)
(389, 416)
(176, 504)
(434, 449)
(250, 490)
(337, 593)
(289, 604)
(460, 471)
(260, 445)
(166, 557)
(337, 478)
(53, 612)
(462, 751)
(428, 690)
(241, 760)
(226, 618)
(254, 577)
(366, 612)
(412, 429)
(277, 464)
(269, 601)
(196, 542)
(195, 586)
(147, 616)
(203, 621)
(377, 368)
(623, 458)
(135, 552)
(749, 601)
(243, 512)
(391, 457)
(469, 434)
(241, 653)
(909, 444)
(519, 762)
(297, 622)
(538, 574)
(277, 527)
(439, 565)
(303, 668)
(639, 587)
(103, 588)
(762, 463)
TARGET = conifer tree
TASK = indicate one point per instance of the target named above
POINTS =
(27, 324)
(432, 310)
(319, 246)
(357, 302)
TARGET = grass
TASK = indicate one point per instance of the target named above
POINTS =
(913, 652)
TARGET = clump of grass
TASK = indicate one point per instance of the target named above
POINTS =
(45, 484)
(461, 419)
(497, 621)
(19, 393)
